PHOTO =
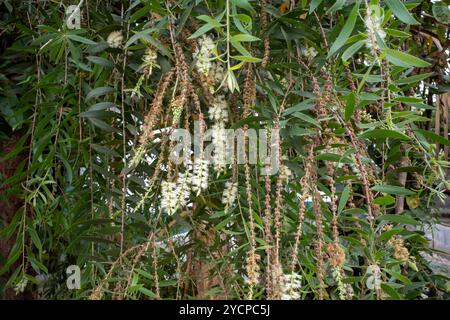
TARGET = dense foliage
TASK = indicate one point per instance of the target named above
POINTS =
(87, 115)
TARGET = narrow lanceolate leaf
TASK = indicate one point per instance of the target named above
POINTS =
(97, 92)
(383, 134)
(213, 22)
(384, 200)
(246, 58)
(245, 4)
(100, 61)
(433, 136)
(441, 12)
(201, 30)
(414, 79)
(76, 38)
(402, 219)
(404, 59)
(346, 30)
(350, 51)
(338, 4)
(350, 106)
(344, 198)
(306, 118)
(314, 4)
(393, 294)
(400, 11)
(139, 35)
(35, 238)
(384, 188)
(243, 37)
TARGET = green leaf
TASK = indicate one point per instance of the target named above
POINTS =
(389, 234)
(383, 134)
(232, 81)
(397, 33)
(36, 264)
(105, 150)
(14, 254)
(243, 37)
(433, 136)
(344, 198)
(201, 30)
(350, 106)
(35, 238)
(441, 12)
(97, 92)
(333, 157)
(306, 118)
(211, 21)
(346, 30)
(139, 35)
(76, 38)
(240, 48)
(102, 125)
(414, 79)
(338, 4)
(397, 218)
(100, 61)
(400, 11)
(403, 59)
(313, 5)
(304, 105)
(384, 200)
(147, 39)
(147, 292)
(390, 291)
(398, 276)
(392, 189)
(350, 51)
(247, 58)
(244, 4)
(102, 106)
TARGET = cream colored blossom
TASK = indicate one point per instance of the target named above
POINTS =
(115, 39)
(199, 178)
(203, 55)
(290, 286)
(229, 194)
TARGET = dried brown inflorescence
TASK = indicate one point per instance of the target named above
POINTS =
(264, 25)
(336, 254)
(302, 205)
(318, 245)
(154, 113)
(400, 251)
(252, 258)
(334, 222)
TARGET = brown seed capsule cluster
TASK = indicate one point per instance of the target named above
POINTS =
(336, 254)
(155, 109)
(400, 251)
(264, 24)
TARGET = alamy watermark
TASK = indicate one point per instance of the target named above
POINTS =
(73, 280)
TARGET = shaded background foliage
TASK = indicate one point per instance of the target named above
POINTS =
(73, 109)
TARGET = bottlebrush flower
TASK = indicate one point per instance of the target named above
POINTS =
(199, 177)
(219, 139)
(203, 55)
(373, 281)
(290, 286)
(168, 197)
(229, 194)
(115, 39)
(183, 190)
(218, 112)
(373, 21)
